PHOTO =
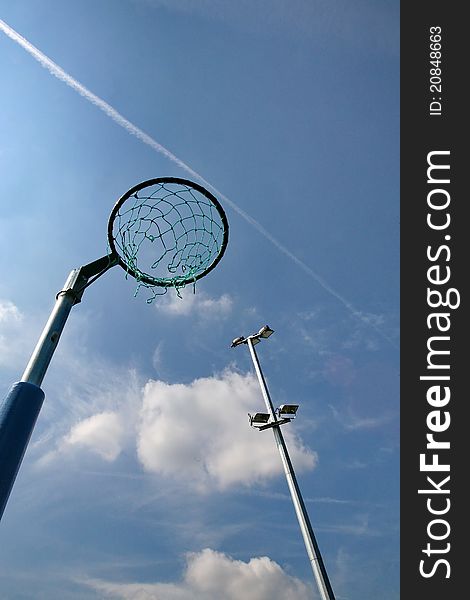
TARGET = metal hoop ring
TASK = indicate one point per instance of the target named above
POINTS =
(160, 181)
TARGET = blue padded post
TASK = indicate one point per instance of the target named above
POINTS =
(18, 413)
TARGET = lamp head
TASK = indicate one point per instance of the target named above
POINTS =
(237, 341)
(265, 331)
(258, 419)
(287, 410)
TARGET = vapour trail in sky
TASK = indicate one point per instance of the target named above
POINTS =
(58, 72)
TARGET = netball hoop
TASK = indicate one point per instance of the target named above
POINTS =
(166, 233)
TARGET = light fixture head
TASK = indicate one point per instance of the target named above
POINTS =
(288, 410)
(258, 419)
(237, 341)
(265, 331)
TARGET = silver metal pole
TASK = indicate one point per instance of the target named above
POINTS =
(313, 551)
(70, 295)
(47, 343)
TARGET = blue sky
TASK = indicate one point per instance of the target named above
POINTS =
(143, 479)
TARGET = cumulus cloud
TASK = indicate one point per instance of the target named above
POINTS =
(200, 432)
(95, 411)
(200, 304)
(102, 433)
(211, 575)
(195, 433)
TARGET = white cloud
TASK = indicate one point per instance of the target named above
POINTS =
(14, 336)
(9, 312)
(102, 433)
(196, 433)
(195, 303)
(200, 433)
(92, 406)
(211, 575)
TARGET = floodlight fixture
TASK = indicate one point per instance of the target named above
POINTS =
(288, 410)
(254, 339)
(265, 331)
(259, 419)
(237, 341)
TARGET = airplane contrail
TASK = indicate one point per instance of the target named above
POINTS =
(120, 120)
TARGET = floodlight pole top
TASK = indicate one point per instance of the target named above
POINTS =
(263, 333)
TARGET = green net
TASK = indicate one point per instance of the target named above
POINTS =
(167, 233)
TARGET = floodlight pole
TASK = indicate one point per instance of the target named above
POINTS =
(20, 409)
(313, 551)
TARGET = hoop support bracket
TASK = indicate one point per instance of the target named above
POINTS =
(79, 279)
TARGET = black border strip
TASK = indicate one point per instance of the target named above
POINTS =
(439, 128)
